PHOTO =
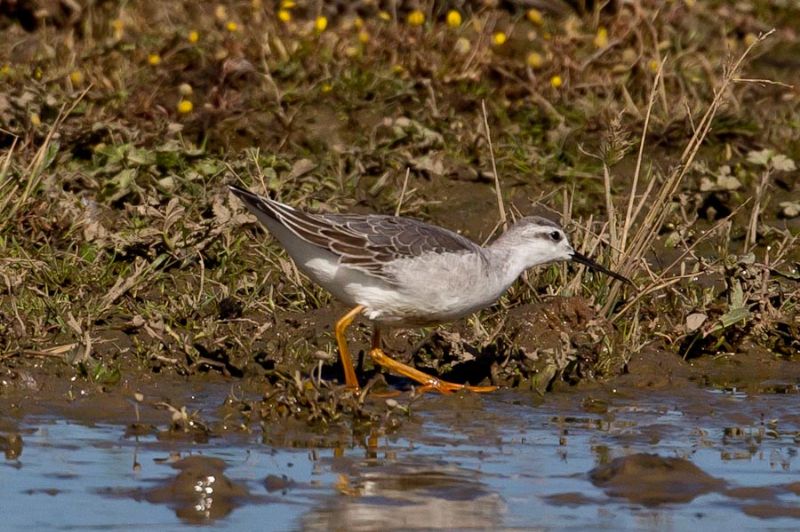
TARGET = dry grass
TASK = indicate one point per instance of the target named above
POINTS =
(118, 239)
(658, 202)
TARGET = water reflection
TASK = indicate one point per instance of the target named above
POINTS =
(407, 495)
(11, 445)
(200, 492)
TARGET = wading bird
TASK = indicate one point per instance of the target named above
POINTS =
(400, 272)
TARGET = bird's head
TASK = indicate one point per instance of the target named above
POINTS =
(535, 240)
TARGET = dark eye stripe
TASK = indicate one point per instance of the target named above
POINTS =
(555, 236)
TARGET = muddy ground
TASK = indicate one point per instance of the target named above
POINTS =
(130, 275)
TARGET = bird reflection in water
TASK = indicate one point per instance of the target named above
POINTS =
(410, 494)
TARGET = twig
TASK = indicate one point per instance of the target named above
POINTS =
(402, 193)
(763, 82)
(500, 205)
(637, 171)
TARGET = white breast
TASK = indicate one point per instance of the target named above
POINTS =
(430, 289)
(437, 288)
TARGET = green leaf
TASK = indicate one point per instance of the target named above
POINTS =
(142, 157)
(50, 154)
(738, 310)
(760, 157)
(120, 185)
(208, 167)
(541, 380)
(168, 159)
(105, 375)
(672, 240)
(114, 154)
(783, 163)
(737, 295)
(733, 316)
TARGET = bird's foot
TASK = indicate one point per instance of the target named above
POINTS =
(444, 387)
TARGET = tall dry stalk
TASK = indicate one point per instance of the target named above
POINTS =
(659, 201)
(497, 189)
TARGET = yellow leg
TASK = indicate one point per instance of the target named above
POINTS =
(428, 382)
(344, 353)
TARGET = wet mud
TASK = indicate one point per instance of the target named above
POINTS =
(650, 479)
(670, 438)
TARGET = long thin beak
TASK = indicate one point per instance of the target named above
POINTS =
(583, 259)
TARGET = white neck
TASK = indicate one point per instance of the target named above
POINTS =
(506, 263)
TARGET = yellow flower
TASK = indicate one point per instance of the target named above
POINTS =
(398, 69)
(556, 81)
(185, 89)
(320, 24)
(154, 59)
(652, 65)
(363, 37)
(535, 16)
(750, 39)
(117, 25)
(193, 36)
(231, 26)
(358, 23)
(221, 12)
(416, 18)
(601, 39)
(326, 88)
(36, 120)
(453, 18)
(76, 77)
(384, 15)
(185, 107)
(5, 70)
(499, 38)
(535, 60)
(37, 73)
(287, 4)
(284, 15)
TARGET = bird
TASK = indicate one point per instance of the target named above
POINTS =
(399, 272)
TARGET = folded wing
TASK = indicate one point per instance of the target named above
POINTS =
(364, 242)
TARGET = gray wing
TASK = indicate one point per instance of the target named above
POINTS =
(370, 242)
(364, 242)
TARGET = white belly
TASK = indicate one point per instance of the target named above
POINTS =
(430, 289)
(433, 289)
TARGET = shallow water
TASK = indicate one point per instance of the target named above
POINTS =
(489, 462)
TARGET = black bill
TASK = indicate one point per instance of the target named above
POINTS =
(583, 259)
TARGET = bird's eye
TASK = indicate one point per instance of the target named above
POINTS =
(555, 236)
